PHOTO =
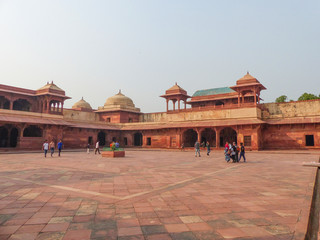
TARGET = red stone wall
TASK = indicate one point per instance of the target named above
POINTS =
(119, 117)
(290, 136)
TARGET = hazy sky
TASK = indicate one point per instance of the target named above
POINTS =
(93, 48)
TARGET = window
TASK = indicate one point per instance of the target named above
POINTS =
(90, 141)
(125, 141)
(247, 141)
(149, 141)
(309, 140)
(114, 139)
(108, 119)
(130, 120)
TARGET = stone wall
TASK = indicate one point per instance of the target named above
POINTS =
(75, 115)
(193, 115)
(291, 109)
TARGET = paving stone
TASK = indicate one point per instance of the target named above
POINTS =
(153, 229)
(158, 195)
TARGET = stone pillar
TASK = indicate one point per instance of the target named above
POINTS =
(185, 104)
(179, 104)
(242, 98)
(174, 104)
(11, 104)
(217, 138)
(255, 97)
(167, 105)
(61, 107)
(198, 132)
(48, 106)
(238, 99)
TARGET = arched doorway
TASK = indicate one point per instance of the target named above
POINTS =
(137, 139)
(102, 138)
(13, 137)
(4, 103)
(189, 137)
(227, 135)
(209, 135)
(3, 137)
(21, 105)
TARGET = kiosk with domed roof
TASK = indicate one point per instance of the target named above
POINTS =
(119, 109)
(82, 105)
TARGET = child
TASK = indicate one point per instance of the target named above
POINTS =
(242, 152)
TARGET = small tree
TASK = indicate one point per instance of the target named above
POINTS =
(308, 96)
(282, 98)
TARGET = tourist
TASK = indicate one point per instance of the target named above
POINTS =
(227, 145)
(51, 146)
(236, 152)
(88, 148)
(45, 147)
(233, 153)
(208, 148)
(60, 144)
(242, 153)
(97, 148)
(117, 145)
(182, 147)
(227, 152)
(112, 146)
(197, 148)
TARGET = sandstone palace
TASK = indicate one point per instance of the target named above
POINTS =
(217, 115)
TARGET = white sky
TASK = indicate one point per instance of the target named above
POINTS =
(94, 48)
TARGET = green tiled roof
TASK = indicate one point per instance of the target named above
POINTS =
(212, 91)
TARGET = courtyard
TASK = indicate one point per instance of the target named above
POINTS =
(155, 195)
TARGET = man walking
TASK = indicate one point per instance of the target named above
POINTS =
(97, 148)
(197, 148)
(59, 147)
(45, 147)
(242, 152)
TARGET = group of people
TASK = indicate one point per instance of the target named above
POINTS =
(46, 146)
(231, 151)
(197, 146)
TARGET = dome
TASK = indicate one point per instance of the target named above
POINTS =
(120, 100)
(82, 104)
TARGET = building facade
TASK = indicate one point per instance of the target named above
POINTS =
(233, 114)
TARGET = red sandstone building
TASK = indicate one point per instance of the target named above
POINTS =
(28, 117)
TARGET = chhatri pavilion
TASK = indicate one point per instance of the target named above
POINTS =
(217, 115)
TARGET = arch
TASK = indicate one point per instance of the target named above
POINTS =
(32, 131)
(209, 135)
(4, 136)
(227, 134)
(189, 137)
(4, 103)
(22, 105)
(14, 137)
(102, 138)
(219, 103)
(137, 139)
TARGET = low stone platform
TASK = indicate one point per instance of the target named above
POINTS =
(113, 154)
(155, 195)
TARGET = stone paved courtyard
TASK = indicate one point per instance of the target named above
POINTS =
(154, 195)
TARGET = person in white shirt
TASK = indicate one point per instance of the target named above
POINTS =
(97, 148)
(45, 147)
